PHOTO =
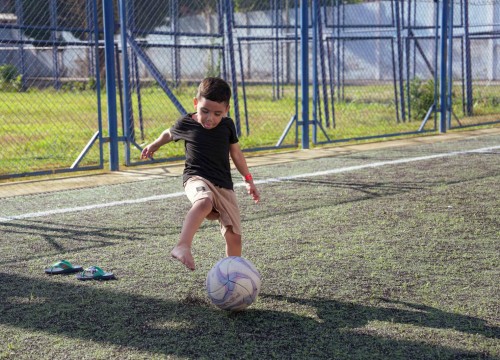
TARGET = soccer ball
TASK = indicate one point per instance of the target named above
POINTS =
(233, 283)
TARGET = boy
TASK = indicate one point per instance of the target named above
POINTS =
(210, 138)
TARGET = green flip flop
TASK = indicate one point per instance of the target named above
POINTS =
(95, 273)
(63, 267)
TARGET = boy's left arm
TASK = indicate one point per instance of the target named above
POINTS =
(241, 164)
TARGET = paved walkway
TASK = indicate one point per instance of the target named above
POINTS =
(27, 187)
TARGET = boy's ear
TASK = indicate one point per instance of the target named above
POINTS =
(195, 102)
(227, 109)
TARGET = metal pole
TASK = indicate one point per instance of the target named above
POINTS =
(174, 13)
(304, 47)
(435, 73)
(400, 59)
(408, 53)
(296, 28)
(322, 64)
(128, 128)
(53, 38)
(20, 21)
(274, 52)
(90, 55)
(232, 65)
(443, 63)
(109, 27)
(314, 27)
(240, 52)
(97, 67)
(450, 67)
(468, 62)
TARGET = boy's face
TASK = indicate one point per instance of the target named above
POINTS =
(209, 113)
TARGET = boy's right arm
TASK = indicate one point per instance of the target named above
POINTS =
(150, 149)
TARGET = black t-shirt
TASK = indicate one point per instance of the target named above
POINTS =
(207, 150)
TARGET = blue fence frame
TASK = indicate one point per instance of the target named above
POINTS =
(311, 30)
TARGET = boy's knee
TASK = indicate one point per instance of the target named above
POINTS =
(204, 204)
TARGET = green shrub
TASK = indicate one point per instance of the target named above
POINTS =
(92, 83)
(10, 79)
(8, 73)
(17, 83)
(421, 97)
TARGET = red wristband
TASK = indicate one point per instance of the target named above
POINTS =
(248, 177)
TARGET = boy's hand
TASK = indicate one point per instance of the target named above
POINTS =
(252, 191)
(148, 151)
(164, 138)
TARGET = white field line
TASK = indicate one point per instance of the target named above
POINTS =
(263, 181)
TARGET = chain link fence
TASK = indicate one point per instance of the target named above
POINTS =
(169, 53)
(49, 108)
(373, 65)
(476, 54)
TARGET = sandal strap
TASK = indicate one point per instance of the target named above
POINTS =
(94, 271)
(63, 264)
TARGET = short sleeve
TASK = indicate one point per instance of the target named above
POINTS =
(178, 130)
(233, 137)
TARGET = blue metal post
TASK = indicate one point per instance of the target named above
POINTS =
(89, 27)
(468, 62)
(97, 67)
(444, 54)
(436, 64)
(20, 22)
(322, 64)
(394, 77)
(400, 59)
(136, 81)
(304, 51)
(174, 15)
(53, 37)
(279, 55)
(242, 71)
(296, 40)
(450, 66)
(232, 65)
(337, 45)
(274, 52)
(109, 48)
(331, 67)
(314, 26)
(128, 129)
(408, 56)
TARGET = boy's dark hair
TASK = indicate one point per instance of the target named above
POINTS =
(214, 89)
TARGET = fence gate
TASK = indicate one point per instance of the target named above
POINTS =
(166, 48)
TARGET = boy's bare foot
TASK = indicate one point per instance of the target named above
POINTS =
(183, 254)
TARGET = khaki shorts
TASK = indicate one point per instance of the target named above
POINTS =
(223, 200)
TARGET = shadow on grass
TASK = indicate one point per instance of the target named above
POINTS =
(349, 315)
(63, 237)
(192, 328)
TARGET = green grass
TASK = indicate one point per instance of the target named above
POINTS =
(394, 262)
(46, 129)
